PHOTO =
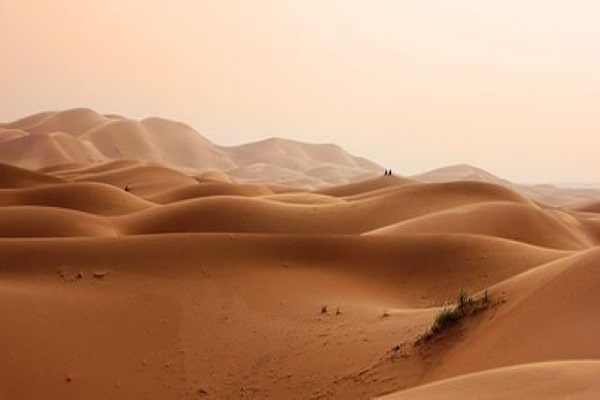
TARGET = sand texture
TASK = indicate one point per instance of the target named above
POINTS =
(140, 261)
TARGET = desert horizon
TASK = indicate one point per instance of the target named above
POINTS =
(444, 172)
(299, 199)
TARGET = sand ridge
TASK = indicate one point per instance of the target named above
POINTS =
(546, 228)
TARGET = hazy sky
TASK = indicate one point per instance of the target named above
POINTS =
(512, 86)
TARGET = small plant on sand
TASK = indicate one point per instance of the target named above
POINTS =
(463, 299)
(449, 315)
(324, 309)
(445, 317)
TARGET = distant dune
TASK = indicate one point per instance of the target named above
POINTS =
(139, 260)
(84, 136)
(459, 172)
(544, 193)
(590, 206)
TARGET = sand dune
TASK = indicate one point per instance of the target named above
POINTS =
(402, 268)
(247, 294)
(559, 196)
(14, 177)
(83, 135)
(265, 173)
(123, 139)
(31, 221)
(206, 189)
(303, 198)
(336, 174)
(553, 195)
(11, 134)
(156, 140)
(591, 227)
(459, 172)
(88, 197)
(414, 200)
(593, 207)
(296, 156)
(551, 380)
(57, 169)
(75, 122)
(458, 192)
(548, 228)
(548, 315)
(37, 151)
(246, 214)
(364, 186)
(74, 170)
(184, 146)
(304, 164)
(241, 214)
(212, 176)
(140, 260)
(25, 122)
(142, 179)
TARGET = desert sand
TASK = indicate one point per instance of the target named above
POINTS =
(140, 261)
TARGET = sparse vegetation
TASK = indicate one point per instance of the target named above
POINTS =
(445, 317)
(463, 299)
(449, 315)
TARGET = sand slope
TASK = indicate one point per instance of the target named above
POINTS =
(75, 121)
(556, 380)
(170, 302)
(29, 221)
(365, 186)
(206, 189)
(143, 179)
(593, 207)
(248, 214)
(89, 197)
(132, 278)
(15, 177)
(548, 228)
(36, 151)
(548, 315)
(553, 195)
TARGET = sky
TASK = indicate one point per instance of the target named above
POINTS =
(511, 86)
